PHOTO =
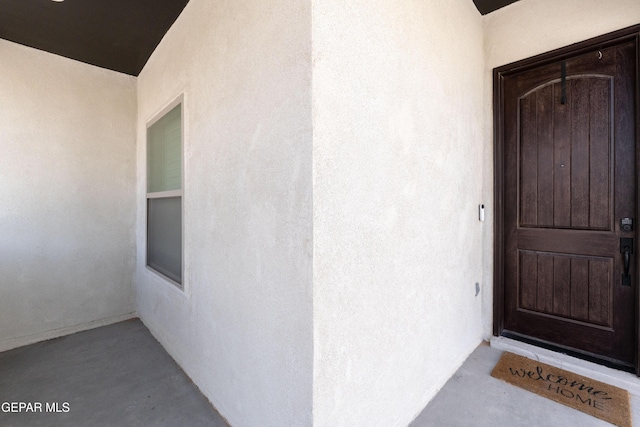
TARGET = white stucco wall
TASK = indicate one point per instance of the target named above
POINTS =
(67, 195)
(332, 243)
(397, 170)
(521, 30)
(243, 328)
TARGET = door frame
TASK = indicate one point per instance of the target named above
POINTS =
(499, 73)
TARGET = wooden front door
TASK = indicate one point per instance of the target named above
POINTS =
(567, 147)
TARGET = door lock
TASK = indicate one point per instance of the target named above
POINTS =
(626, 224)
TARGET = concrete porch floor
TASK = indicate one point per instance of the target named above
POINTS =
(116, 375)
(472, 397)
(119, 375)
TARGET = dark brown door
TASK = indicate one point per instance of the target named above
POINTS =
(569, 179)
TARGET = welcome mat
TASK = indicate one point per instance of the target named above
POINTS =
(593, 397)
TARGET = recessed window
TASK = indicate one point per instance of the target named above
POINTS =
(164, 195)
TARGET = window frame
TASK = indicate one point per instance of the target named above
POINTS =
(178, 101)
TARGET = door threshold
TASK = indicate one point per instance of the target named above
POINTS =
(622, 379)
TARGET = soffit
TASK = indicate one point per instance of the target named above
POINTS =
(119, 35)
(488, 6)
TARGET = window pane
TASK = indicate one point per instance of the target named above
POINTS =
(164, 236)
(164, 160)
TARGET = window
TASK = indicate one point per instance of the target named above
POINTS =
(164, 195)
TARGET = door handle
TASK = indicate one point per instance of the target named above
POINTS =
(626, 249)
(627, 257)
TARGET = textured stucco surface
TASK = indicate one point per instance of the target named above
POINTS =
(519, 31)
(67, 195)
(332, 243)
(243, 328)
(397, 169)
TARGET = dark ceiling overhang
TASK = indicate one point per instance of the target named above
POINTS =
(488, 6)
(119, 35)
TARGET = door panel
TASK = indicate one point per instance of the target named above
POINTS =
(566, 286)
(566, 173)
(569, 176)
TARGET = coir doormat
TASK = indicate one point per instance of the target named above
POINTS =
(600, 400)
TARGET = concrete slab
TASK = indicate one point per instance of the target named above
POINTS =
(119, 375)
(472, 397)
(116, 375)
